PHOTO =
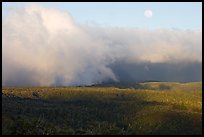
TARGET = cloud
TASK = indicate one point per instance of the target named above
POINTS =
(46, 47)
(145, 71)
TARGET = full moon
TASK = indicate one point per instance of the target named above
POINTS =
(148, 13)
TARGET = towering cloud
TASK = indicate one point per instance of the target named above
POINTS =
(45, 47)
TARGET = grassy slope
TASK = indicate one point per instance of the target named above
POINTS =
(105, 110)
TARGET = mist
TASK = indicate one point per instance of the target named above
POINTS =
(46, 47)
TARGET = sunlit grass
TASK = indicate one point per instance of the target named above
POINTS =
(156, 108)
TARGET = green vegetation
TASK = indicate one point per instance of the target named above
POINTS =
(152, 108)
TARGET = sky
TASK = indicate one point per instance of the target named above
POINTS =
(179, 15)
(72, 44)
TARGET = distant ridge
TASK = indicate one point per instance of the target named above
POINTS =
(154, 85)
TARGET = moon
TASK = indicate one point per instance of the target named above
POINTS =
(148, 13)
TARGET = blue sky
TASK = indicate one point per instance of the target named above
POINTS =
(186, 15)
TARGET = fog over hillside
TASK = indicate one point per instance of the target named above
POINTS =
(46, 47)
(172, 72)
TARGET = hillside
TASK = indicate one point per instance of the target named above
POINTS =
(144, 109)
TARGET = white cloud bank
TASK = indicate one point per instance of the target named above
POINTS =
(45, 47)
